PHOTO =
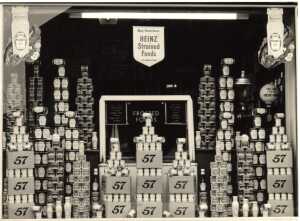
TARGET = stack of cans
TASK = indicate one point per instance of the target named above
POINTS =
(42, 142)
(220, 203)
(149, 163)
(280, 170)
(225, 134)
(81, 186)
(245, 170)
(55, 172)
(207, 109)
(219, 195)
(35, 97)
(14, 101)
(71, 145)
(257, 143)
(19, 173)
(61, 97)
(181, 181)
(85, 102)
(117, 188)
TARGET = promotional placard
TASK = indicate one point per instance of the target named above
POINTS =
(148, 44)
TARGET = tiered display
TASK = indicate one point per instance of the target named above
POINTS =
(207, 110)
(35, 97)
(219, 199)
(117, 187)
(149, 164)
(257, 142)
(14, 99)
(245, 170)
(81, 186)
(42, 143)
(181, 179)
(71, 146)
(280, 174)
(85, 112)
(20, 166)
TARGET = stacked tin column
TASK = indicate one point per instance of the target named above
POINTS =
(84, 102)
(42, 142)
(14, 99)
(56, 167)
(35, 97)
(20, 166)
(61, 98)
(55, 174)
(245, 170)
(71, 146)
(257, 143)
(181, 181)
(219, 199)
(149, 163)
(280, 170)
(81, 185)
(207, 109)
(117, 187)
(221, 190)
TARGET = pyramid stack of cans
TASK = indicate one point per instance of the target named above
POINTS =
(245, 170)
(280, 166)
(61, 97)
(42, 142)
(84, 102)
(181, 181)
(149, 163)
(117, 187)
(207, 109)
(257, 143)
(219, 195)
(35, 97)
(14, 101)
(20, 175)
(71, 146)
(81, 185)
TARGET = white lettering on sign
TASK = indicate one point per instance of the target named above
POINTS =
(148, 44)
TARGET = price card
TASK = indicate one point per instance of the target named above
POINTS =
(280, 183)
(149, 209)
(149, 159)
(182, 209)
(149, 184)
(279, 158)
(117, 185)
(181, 184)
(20, 211)
(282, 207)
(20, 160)
(117, 209)
(17, 186)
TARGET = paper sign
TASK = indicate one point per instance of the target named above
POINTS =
(148, 44)
(20, 31)
(275, 31)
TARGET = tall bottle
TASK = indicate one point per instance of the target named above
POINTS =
(58, 209)
(68, 207)
(95, 186)
(202, 188)
(235, 206)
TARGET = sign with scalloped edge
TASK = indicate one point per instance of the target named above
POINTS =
(148, 44)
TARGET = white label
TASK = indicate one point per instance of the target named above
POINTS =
(148, 44)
